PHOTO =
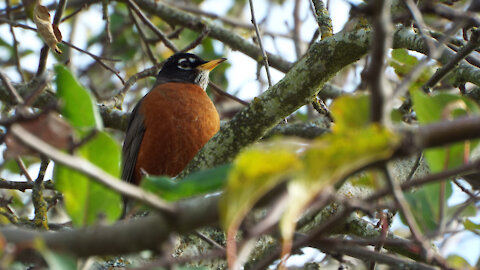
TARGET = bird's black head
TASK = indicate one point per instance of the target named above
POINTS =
(187, 67)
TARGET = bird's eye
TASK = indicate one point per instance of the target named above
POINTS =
(184, 64)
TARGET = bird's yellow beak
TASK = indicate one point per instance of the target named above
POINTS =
(211, 64)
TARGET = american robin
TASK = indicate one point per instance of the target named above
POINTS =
(173, 121)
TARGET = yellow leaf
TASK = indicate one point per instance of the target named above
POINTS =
(255, 172)
(45, 29)
(328, 160)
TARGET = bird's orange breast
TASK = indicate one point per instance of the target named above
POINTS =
(179, 118)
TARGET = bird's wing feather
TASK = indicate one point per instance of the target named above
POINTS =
(131, 145)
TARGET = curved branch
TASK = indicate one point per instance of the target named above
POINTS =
(190, 214)
(305, 79)
(123, 237)
(235, 41)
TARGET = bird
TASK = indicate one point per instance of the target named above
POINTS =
(172, 122)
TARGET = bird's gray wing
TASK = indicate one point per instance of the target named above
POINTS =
(131, 145)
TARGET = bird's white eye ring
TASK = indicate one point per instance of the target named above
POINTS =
(184, 64)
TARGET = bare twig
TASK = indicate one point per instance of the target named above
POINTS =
(151, 71)
(407, 213)
(417, 16)
(59, 12)
(97, 59)
(106, 18)
(222, 92)
(16, 24)
(264, 54)
(22, 185)
(382, 36)
(15, 43)
(471, 45)
(226, 20)
(8, 85)
(23, 169)
(42, 63)
(155, 29)
(363, 253)
(75, 12)
(87, 168)
(197, 41)
(297, 24)
(465, 169)
(143, 38)
(417, 70)
(209, 240)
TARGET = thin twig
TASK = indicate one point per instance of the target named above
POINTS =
(415, 167)
(8, 85)
(365, 254)
(155, 29)
(143, 38)
(209, 240)
(226, 20)
(440, 176)
(416, 71)
(297, 24)
(42, 63)
(75, 12)
(15, 43)
(22, 185)
(471, 45)
(151, 71)
(16, 24)
(264, 54)
(106, 18)
(222, 92)
(59, 12)
(407, 213)
(198, 40)
(23, 169)
(382, 35)
(417, 16)
(89, 169)
(97, 59)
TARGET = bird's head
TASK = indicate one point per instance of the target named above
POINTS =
(187, 67)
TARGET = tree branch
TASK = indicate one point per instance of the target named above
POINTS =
(235, 41)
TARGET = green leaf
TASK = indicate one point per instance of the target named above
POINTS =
(55, 261)
(471, 226)
(458, 262)
(402, 56)
(78, 106)
(58, 261)
(440, 107)
(424, 205)
(85, 200)
(328, 160)
(202, 182)
(402, 63)
(255, 172)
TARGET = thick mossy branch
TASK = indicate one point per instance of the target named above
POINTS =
(304, 80)
(408, 39)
